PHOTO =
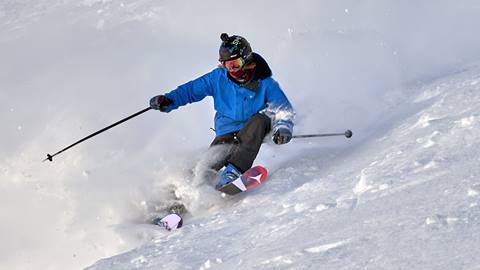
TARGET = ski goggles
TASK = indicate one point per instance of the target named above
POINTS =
(234, 64)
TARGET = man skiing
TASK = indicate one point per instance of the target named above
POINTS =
(249, 104)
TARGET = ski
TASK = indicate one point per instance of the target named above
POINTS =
(169, 222)
(173, 220)
(247, 181)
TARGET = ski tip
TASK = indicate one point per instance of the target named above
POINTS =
(169, 222)
(262, 170)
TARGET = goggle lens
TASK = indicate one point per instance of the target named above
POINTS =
(234, 64)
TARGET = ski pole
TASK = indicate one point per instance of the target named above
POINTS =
(50, 157)
(348, 133)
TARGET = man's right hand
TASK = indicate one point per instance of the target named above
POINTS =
(160, 102)
(282, 136)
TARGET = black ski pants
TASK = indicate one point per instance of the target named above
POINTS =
(244, 143)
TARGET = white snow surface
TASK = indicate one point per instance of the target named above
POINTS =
(403, 193)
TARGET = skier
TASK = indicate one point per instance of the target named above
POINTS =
(249, 104)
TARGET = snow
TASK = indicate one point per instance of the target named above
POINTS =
(326, 247)
(402, 193)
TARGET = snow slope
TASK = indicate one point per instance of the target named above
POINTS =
(404, 190)
(405, 199)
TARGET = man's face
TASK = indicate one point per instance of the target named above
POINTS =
(233, 65)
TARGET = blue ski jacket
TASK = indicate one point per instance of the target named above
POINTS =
(235, 104)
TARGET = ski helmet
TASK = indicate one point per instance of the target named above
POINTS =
(233, 47)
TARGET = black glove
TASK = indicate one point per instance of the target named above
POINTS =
(282, 135)
(160, 102)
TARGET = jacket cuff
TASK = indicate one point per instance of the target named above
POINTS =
(282, 124)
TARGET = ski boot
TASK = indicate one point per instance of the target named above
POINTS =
(228, 175)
